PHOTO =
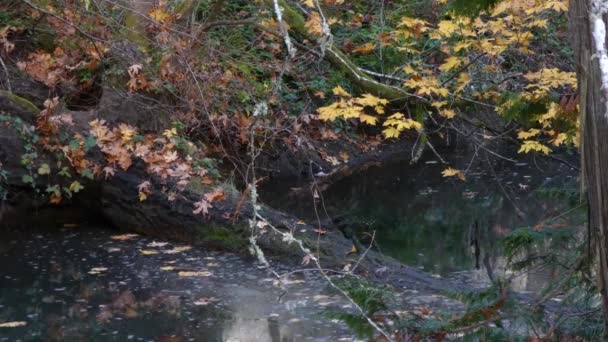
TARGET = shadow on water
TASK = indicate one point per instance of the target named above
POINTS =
(441, 225)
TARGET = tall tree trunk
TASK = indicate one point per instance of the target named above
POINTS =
(589, 45)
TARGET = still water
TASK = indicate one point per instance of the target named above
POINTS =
(433, 222)
(82, 283)
(79, 284)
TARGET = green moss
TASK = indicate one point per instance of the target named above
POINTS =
(19, 101)
(226, 238)
(135, 31)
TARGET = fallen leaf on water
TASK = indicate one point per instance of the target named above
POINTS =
(123, 237)
(195, 274)
(301, 222)
(148, 252)
(307, 258)
(13, 324)
(71, 225)
(213, 264)
(98, 270)
(206, 301)
(345, 156)
(176, 250)
(167, 268)
(353, 250)
(157, 244)
(450, 172)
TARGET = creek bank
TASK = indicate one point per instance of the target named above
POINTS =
(116, 200)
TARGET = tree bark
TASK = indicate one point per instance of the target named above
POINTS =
(594, 125)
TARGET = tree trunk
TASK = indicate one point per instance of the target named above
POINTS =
(594, 125)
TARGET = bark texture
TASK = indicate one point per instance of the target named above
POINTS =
(594, 125)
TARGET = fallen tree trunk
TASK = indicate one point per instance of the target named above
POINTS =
(116, 200)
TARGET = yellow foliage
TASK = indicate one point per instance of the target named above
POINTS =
(560, 139)
(427, 86)
(370, 100)
(451, 63)
(348, 107)
(508, 27)
(451, 172)
(551, 78)
(525, 135)
(533, 146)
(397, 123)
(339, 91)
(161, 15)
(448, 113)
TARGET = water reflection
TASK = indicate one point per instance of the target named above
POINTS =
(80, 285)
(437, 224)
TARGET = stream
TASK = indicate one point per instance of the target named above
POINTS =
(75, 281)
(435, 223)
(85, 284)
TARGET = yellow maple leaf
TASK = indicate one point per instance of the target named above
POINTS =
(560, 139)
(533, 146)
(365, 48)
(463, 80)
(448, 113)
(451, 172)
(339, 91)
(409, 70)
(161, 15)
(391, 133)
(525, 135)
(169, 133)
(368, 119)
(451, 63)
(370, 100)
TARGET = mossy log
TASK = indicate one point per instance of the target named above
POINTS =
(297, 26)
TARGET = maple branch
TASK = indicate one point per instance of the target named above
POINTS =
(342, 62)
(380, 75)
(8, 78)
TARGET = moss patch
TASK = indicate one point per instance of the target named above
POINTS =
(25, 105)
(225, 238)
